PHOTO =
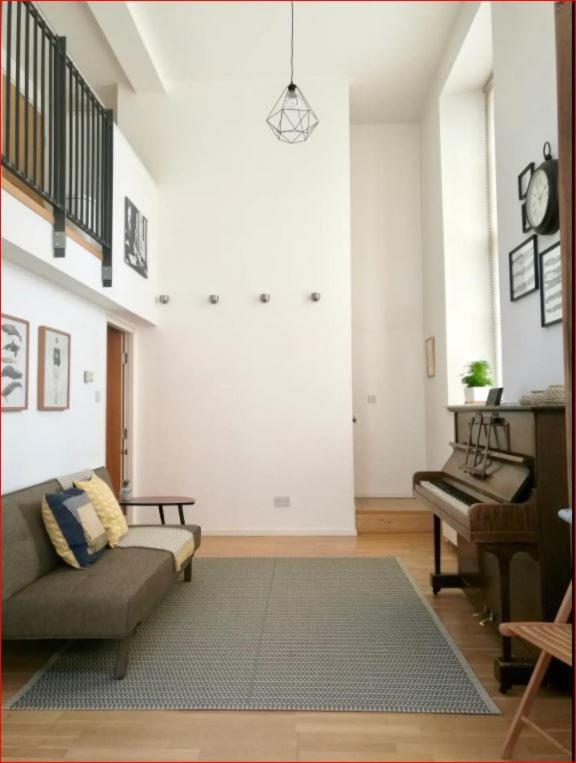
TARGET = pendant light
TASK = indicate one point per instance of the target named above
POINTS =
(291, 119)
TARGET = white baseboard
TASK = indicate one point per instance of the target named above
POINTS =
(387, 495)
(314, 532)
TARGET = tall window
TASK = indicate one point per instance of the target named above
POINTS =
(493, 270)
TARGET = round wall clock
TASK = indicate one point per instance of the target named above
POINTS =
(542, 195)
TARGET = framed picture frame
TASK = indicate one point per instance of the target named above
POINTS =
(135, 238)
(53, 369)
(551, 289)
(430, 357)
(524, 179)
(525, 224)
(15, 362)
(523, 266)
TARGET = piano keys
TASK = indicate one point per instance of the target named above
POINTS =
(500, 490)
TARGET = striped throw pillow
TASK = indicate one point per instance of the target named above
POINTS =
(107, 507)
(74, 527)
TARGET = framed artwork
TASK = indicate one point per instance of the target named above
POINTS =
(15, 351)
(523, 261)
(525, 224)
(551, 291)
(53, 369)
(430, 357)
(135, 238)
(524, 180)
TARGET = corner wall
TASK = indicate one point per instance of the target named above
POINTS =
(525, 106)
(388, 346)
(242, 402)
(523, 43)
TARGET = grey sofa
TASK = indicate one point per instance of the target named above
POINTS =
(43, 598)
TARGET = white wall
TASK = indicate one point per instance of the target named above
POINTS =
(387, 340)
(40, 445)
(244, 401)
(525, 107)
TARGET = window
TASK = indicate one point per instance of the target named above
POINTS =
(492, 221)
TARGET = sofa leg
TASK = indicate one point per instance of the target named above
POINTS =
(122, 657)
(188, 572)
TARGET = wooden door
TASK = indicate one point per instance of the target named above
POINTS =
(115, 407)
(564, 63)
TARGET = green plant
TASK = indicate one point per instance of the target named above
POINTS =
(478, 374)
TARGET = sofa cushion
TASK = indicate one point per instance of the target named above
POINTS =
(107, 507)
(105, 600)
(74, 528)
(27, 552)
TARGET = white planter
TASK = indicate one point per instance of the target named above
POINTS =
(475, 395)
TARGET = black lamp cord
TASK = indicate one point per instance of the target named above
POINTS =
(292, 46)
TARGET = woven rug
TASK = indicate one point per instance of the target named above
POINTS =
(275, 634)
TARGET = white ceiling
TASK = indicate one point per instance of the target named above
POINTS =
(388, 50)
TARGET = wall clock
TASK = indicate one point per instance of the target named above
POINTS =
(542, 195)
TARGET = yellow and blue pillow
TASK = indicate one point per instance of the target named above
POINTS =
(74, 527)
(106, 506)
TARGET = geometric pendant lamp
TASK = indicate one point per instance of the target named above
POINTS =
(291, 119)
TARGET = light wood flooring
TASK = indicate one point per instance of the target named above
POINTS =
(279, 736)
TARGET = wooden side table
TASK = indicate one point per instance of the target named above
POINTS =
(160, 501)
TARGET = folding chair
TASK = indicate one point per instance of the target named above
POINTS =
(554, 640)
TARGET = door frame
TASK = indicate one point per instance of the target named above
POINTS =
(127, 398)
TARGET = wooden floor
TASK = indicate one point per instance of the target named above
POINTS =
(277, 736)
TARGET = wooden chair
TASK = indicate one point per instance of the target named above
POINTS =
(554, 640)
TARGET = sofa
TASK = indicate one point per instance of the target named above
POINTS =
(44, 598)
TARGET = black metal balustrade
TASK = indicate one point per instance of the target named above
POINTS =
(57, 136)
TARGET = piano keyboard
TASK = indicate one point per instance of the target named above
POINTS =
(451, 495)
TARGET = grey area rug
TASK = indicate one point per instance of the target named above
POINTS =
(276, 634)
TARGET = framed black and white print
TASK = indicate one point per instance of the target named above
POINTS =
(524, 179)
(15, 344)
(525, 224)
(551, 291)
(135, 238)
(523, 262)
(53, 369)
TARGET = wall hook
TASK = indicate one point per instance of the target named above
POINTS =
(315, 296)
(214, 299)
(264, 297)
(163, 299)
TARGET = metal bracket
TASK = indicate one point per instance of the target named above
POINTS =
(59, 242)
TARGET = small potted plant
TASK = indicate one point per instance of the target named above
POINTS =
(477, 381)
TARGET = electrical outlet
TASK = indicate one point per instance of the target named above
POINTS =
(371, 399)
(281, 502)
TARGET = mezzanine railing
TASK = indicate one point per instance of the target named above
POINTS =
(57, 136)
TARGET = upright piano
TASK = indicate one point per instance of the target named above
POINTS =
(500, 490)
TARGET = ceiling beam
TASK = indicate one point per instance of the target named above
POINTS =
(119, 26)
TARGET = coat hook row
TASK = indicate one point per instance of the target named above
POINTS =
(164, 299)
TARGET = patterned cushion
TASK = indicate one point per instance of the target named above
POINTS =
(74, 528)
(107, 508)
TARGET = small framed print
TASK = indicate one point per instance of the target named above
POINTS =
(53, 369)
(15, 350)
(523, 262)
(524, 179)
(551, 290)
(525, 224)
(430, 357)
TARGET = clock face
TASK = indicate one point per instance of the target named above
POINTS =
(537, 198)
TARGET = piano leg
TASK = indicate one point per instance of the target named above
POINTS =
(438, 581)
(509, 670)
